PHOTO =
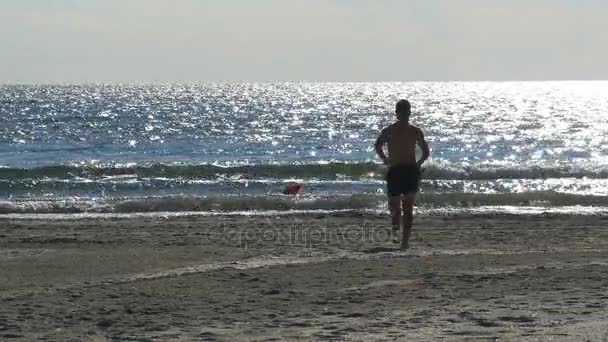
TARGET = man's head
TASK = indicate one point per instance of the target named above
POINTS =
(403, 110)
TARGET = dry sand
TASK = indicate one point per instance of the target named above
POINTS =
(304, 277)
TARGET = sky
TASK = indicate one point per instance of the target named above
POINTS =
(150, 41)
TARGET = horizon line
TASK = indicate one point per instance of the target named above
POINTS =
(2, 83)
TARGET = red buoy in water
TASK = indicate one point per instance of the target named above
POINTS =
(293, 188)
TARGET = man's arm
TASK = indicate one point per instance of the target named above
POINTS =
(379, 146)
(426, 152)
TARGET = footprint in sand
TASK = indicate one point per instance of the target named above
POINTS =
(518, 319)
(381, 249)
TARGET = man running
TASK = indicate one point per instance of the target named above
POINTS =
(403, 175)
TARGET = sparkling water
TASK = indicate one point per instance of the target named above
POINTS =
(234, 146)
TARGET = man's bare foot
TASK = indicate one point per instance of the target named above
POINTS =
(395, 235)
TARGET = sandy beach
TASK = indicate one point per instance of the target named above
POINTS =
(304, 277)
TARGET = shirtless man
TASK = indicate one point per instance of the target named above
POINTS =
(403, 169)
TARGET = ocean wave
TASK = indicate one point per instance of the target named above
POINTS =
(129, 186)
(329, 171)
(187, 203)
(285, 203)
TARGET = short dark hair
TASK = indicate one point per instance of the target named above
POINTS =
(403, 107)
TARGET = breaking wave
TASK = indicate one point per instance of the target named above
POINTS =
(329, 171)
(286, 203)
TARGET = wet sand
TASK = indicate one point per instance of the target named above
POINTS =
(304, 277)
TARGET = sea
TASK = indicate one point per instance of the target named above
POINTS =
(233, 147)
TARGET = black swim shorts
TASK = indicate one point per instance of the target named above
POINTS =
(402, 179)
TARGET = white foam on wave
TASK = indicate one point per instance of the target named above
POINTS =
(421, 212)
(527, 202)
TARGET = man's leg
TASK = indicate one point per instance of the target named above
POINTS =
(407, 202)
(394, 205)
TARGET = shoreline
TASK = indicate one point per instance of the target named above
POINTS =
(473, 211)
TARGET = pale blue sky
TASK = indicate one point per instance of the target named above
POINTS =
(72, 41)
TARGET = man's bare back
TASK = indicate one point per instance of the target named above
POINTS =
(401, 139)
